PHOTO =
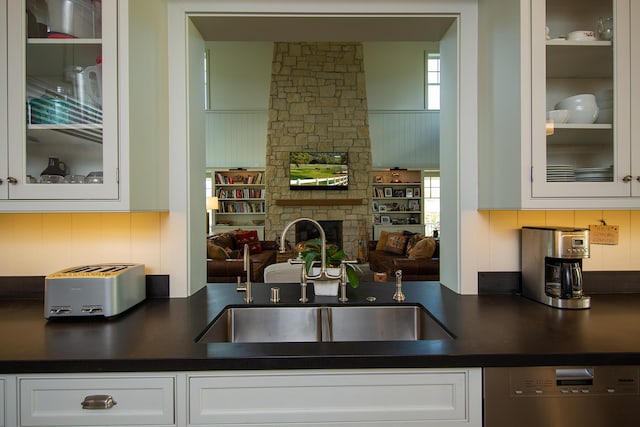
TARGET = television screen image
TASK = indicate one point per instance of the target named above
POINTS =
(318, 170)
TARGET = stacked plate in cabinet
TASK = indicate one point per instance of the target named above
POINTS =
(594, 174)
(560, 173)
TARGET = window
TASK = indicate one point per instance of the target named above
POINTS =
(433, 81)
(431, 191)
(206, 79)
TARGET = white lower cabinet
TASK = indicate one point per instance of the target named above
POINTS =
(381, 397)
(2, 403)
(364, 397)
(127, 400)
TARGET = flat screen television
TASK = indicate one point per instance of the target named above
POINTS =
(313, 170)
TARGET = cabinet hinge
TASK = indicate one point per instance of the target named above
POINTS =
(531, 177)
(117, 175)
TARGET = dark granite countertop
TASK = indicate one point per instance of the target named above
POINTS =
(159, 335)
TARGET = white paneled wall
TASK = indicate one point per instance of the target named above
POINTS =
(405, 139)
(502, 237)
(236, 138)
(41, 243)
(36, 244)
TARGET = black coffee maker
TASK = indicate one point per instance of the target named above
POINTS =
(552, 266)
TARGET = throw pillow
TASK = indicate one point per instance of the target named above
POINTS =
(396, 243)
(382, 240)
(224, 240)
(216, 252)
(249, 237)
(425, 248)
(413, 239)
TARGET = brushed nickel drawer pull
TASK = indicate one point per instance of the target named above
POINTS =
(98, 401)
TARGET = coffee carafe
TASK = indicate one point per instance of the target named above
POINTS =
(552, 266)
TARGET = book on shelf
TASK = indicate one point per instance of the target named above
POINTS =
(240, 193)
(241, 207)
(250, 179)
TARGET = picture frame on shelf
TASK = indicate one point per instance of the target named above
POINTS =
(385, 219)
(416, 192)
(375, 206)
(388, 192)
(414, 205)
(399, 192)
(378, 179)
(376, 219)
(382, 208)
(409, 192)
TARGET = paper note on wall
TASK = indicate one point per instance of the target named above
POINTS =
(603, 234)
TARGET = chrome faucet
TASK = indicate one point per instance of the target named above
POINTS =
(248, 298)
(323, 274)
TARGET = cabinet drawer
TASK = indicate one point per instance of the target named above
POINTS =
(380, 397)
(55, 401)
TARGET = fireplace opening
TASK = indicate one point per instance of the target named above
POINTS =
(332, 229)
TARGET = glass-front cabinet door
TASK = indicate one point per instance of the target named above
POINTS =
(62, 98)
(3, 98)
(635, 92)
(580, 99)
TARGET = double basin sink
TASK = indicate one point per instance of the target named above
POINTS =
(277, 324)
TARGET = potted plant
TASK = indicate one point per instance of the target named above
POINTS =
(334, 257)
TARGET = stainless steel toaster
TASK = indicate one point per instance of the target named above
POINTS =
(94, 290)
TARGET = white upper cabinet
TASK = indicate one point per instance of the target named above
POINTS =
(557, 135)
(69, 135)
(3, 95)
(634, 92)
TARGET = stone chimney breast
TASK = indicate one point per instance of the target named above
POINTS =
(318, 102)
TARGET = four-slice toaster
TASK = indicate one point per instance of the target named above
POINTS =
(94, 290)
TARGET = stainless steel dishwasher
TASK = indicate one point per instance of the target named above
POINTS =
(547, 396)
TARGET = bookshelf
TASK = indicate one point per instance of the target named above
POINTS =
(397, 202)
(241, 200)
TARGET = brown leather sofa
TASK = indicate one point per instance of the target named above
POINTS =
(413, 268)
(225, 266)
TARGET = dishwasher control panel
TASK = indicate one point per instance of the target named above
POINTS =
(567, 396)
(573, 381)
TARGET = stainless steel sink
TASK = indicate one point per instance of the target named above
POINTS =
(383, 323)
(324, 324)
(265, 324)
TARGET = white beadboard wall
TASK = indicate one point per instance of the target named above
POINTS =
(403, 139)
(408, 139)
(37, 244)
(501, 234)
(236, 138)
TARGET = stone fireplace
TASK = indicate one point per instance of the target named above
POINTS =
(332, 231)
(318, 102)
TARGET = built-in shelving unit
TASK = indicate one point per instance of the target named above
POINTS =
(397, 200)
(241, 199)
